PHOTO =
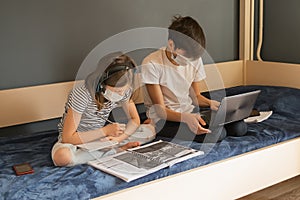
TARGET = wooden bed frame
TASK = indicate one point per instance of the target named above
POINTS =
(225, 179)
(230, 178)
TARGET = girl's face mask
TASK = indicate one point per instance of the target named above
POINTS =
(115, 96)
(112, 96)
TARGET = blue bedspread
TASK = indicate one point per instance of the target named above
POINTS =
(85, 182)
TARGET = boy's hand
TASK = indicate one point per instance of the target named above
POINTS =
(214, 105)
(194, 122)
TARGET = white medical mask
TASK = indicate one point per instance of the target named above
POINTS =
(112, 96)
(181, 60)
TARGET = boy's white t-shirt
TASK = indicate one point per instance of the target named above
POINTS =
(175, 81)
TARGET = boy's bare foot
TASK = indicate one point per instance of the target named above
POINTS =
(130, 145)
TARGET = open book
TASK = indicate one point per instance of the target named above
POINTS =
(140, 161)
(143, 134)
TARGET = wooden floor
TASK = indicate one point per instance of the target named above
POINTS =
(286, 190)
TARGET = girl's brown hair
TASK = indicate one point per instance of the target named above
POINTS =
(118, 78)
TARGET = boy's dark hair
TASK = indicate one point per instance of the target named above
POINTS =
(182, 27)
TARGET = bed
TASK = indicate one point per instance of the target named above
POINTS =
(268, 154)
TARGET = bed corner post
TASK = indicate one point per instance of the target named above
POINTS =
(246, 33)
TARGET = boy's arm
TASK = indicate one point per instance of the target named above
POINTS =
(201, 100)
(158, 104)
(191, 119)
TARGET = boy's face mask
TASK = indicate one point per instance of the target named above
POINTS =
(181, 60)
(177, 56)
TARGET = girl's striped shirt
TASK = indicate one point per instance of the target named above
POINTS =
(81, 101)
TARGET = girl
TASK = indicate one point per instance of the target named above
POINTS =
(88, 108)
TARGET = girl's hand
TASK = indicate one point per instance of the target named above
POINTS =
(114, 129)
(130, 145)
(117, 139)
(147, 121)
(194, 122)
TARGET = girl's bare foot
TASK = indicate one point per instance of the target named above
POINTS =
(147, 121)
(130, 145)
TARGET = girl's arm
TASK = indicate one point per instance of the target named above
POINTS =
(133, 117)
(70, 135)
(201, 100)
(133, 120)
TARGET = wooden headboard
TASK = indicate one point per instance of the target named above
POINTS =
(272, 73)
(32, 104)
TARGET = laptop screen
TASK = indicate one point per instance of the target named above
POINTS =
(234, 108)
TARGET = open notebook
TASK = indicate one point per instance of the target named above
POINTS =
(97, 145)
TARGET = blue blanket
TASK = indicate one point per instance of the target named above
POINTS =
(85, 182)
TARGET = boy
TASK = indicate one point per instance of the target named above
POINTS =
(172, 77)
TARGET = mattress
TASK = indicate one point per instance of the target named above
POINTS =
(85, 182)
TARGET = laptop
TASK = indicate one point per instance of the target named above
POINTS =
(232, 108)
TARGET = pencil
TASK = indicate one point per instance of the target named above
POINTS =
(111, 122)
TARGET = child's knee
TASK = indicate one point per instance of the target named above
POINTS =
(236, 129)
(62, 157)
